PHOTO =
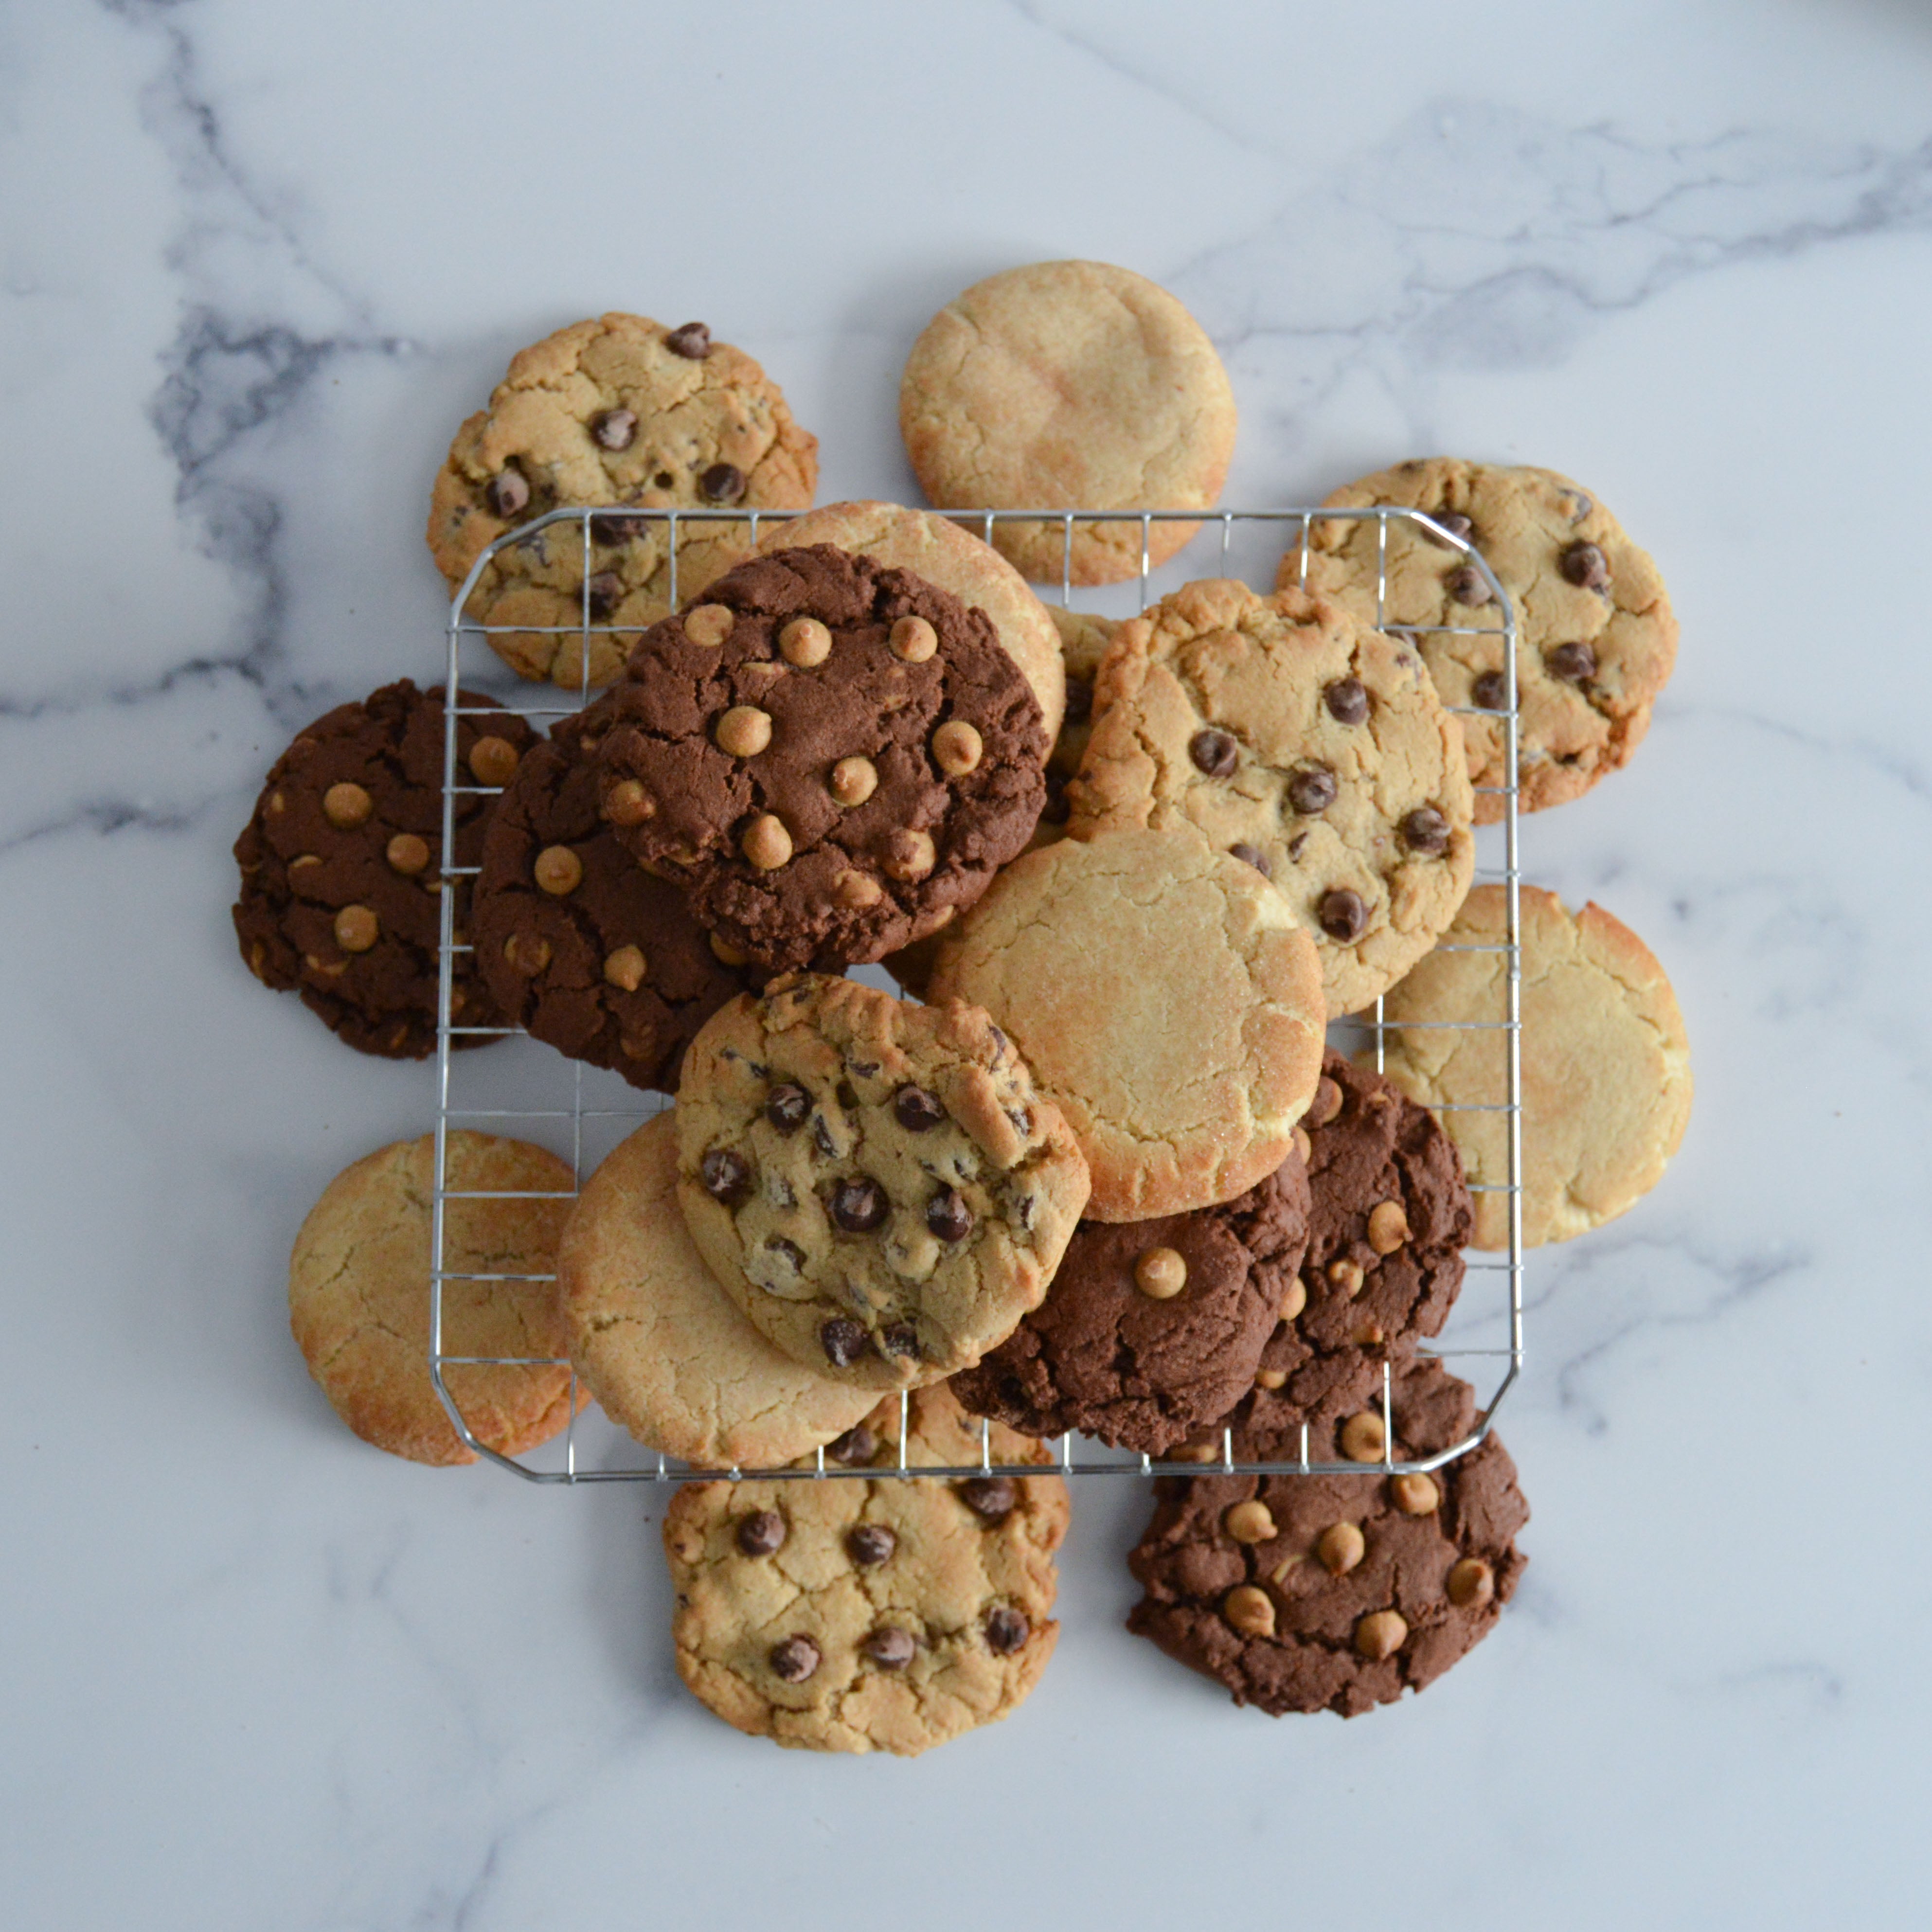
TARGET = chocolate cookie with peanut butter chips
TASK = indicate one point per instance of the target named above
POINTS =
(1151, 1329)
(831, 756)
(876, 1183)
(1338, 1593)
(575, 941)
(342, 870)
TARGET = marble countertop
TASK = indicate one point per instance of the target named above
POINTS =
(260, 259)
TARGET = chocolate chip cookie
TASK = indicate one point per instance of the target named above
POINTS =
(1337, 1593)
(342, 869)
(1596, 639)
(618, 411)
(574, 940)
(1151, 1329)
(877, 1184)
(831, 756)
(1280, 729)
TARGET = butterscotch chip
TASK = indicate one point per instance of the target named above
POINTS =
(356, 929)
(910, 855)
(493, 761)
(1249, 1522)
(956, 747)
(1160, 1273)
(1346, 1275)
(526, 953)
(1364, 1438)
(858, 890)
(805, 642)
(708, 625)
(1295, 1299)
(558, 870)
(724, 952)
(628, 803)
(1415, 1495)
(913, 640)
(854, 780)
(1340, 1547)
(1270, 1378)
(1472, 1583)
(345, 805)
(407, 854)
(1380, 1635)
(744, 731)
(624, 969)
(1250, 1611)
(766, 843)
(1303, 1145)
(1388, 1227)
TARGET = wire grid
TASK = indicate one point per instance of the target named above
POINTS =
(1076, 1456)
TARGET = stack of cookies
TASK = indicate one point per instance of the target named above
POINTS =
(1101, 1173)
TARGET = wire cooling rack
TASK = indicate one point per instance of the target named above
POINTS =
(543, 1096)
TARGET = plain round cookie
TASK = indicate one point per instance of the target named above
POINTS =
(341, 884)
(618, 411)
(577, 942)
(661, 1346)
(832, 757)
(1167, 1002)
(1337, 1593)
(865, 1614)
(1596, 639)
(1606, 1061)
(877, 1184)
(937, 549)
(359, 1296)
(1280, 729)
(1071, 384)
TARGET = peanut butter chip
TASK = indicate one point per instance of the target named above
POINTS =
(1415, 1495)
(1364, 1438)
(356, 929)
(624, 969)
(1381, 1634)
(1250, 1522)
(1347, 1275)
(1250, 1610)
(493, 761)
(1472, 1583)
(1160, 1274)
(910, 855)
(345, 805)
(913, 640)
(708, 626)
(1270, 1378)
(805, 642)
(302, 859)
(766, 843)
(528, 952)
(957, 749)
(1340, 1547)
(628, 803)
(1295, 1299)
(744, 731)
(407, 854)
(1303, 1146)
(853, 781)
(559, 870)
(726, 954)
(856, 890)
(1388, 1227)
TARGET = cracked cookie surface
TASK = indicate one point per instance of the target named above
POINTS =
(881, 1613)
(1596, 639)
(1167, 1002)
(878, 1185)
(359, 1296)
(1606, 1061)
(616, 411)
(1280, 729)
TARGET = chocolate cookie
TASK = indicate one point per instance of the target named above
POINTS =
(575, 941)
(833, 757)
(1337, 1593)
(1150, 1329)
(341, 866)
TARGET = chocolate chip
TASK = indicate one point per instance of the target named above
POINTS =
(794, 1660)
(788, 1107)
(891, 1649)
(948, 1216)
(856, 1447)
(1348, 703)
(507, 492)
(1580, 507)
(761, 1532)
(727, 1176)
(859, 1206)
(1312, 789)
(1455, 523)
(843, 1341)
(1491, 691)
(1007, 1630)
(902, 1339)
(821, 1137)
(991, 1499)
(848, 1095)
(1426, 831)
(1576, 662)
(692, 341)
(1468, 585)
(871, 1544)
(1214, 752)
(1343, 914)
(1252, 855)
(1079, 700)
(615, 429)
(790, 1252)
(722, 483)
(600, 595)
(1295, 844)
(612, 531)
(915, 1110)
(1585, 565)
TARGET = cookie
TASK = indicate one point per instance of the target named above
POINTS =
(1167, 1002)
(1337, 1593)
(1151, 1329)
(877, 1184)
(1070, 384)
(359, 1296)
(833, 757)
(661, 1346)
(1280, 729)
(888, 1614)
(341, 875)
(621, 411)
(939, 550)
(1605, 1060)
(576, 942)
(1596, 639)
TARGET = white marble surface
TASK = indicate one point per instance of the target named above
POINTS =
(259, 258)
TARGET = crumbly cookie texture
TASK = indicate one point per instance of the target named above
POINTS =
(1337, 1593)
(1073, 384)
(575, 941)
(937, 549)
(1596, 639)
(342, 879)
(878, 1185)
(359, 1296)
(1167, 1002)
(1151, 1329)
(876, 1614)
(659, 1343)
(833, 757)
(1281, 730)
(618, 411)
(1606, 1061)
